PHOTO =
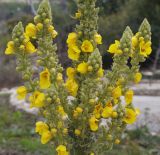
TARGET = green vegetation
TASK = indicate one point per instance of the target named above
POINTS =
(17, 136)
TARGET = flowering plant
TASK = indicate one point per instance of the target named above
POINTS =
(82, 114)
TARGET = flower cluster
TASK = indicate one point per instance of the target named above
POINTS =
(82, 114)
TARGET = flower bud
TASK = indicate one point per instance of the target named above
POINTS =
(65, 131)
(117, 141)
(49, 100)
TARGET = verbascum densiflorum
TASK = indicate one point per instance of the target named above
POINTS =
(83, 113)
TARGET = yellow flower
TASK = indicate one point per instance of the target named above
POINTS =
(46, 137)
(54, 34)
(54, 131)
(45, 79)
(41, 127)
(114, 114)
(37, 99)
(82, 68)
(71, 72)
(22, 92)
(77, 132)
(72, 38)
(65, 131)
(145, 48)
(92, 153)
(26, 38)
(97, 110)
(10, 48)
(61, 111)
(59, 77)
(93, 123)
(29, 47)
(130, 116)
(87, 46)
(75, 114)
(107, 111)
(114, 48)
(137, 77)
(62, 150)
(129, 96)
(117, 92)
(78, 14)
(100, 73)
(39, 26)
(98, 38)
(79, 110)
(134, 41)
(74, 52)
(72, 86)
(50, 29)
(117, 141)
(31, 30)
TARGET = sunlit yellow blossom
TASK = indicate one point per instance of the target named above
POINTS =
(100, 73)
(82, 68)
(62, 150)
(92, 153)
(65, 131)
(114, 48)
(26, 38)
(39, 26)
(77, 132)
(71, 72)
(120, 81)
(107, 112)
(29, 47)
(98, 38)
(54, 131)
(145, 48)
(37, 99)
(117, 141)
(54, 34)
(130, 116)
(21, 92)
(97, 110)
(31, 30)
(78, 14)
(46, 137)
(50, 29)
(75, 114)
(129, 96)
(72, 86)
(117, 92)
(10, 48)
(134, 41)
(87, 46)
(41, 127)
(74, 52)
(79, 110)
(59, 77)
(61, 111)
(45, 79)
(93, 123)
(137, 77)
(114, 114)
(72, 38)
